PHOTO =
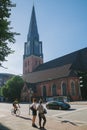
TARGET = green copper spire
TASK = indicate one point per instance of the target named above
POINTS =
(33, 31)
(33, 46)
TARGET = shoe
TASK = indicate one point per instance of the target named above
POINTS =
(40, 127)
(33, 125)
(43, 128)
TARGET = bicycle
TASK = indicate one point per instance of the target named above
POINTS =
(17, 112)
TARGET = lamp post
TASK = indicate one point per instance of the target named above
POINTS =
(30, 95)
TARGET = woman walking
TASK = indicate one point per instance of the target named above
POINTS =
(34, 112)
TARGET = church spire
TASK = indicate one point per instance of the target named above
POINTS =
(33, 55)
(33, 30)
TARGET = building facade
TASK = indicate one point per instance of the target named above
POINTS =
(4, 77)
(58, 77)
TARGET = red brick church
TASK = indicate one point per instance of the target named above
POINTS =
(57, 77)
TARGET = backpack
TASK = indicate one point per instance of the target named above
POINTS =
(41, 109)
(45, 111)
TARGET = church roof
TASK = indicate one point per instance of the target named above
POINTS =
(33, 30)
(77, 59)
(59, 68)
(49, 74)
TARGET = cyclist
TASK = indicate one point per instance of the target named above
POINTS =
(16, 105)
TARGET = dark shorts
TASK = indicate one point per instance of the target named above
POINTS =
(34, 112)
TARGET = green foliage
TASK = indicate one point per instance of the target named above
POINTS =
(6, 35)
(13, 87)
(0, 92)
(4, 91)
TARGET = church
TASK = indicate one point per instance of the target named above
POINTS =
(58, 77)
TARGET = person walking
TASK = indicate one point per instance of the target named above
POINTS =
(34, 112)
(41, 114)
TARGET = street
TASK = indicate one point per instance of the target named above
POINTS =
(77, 115)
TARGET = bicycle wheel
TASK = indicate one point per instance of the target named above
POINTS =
(12, 111)
(17, 112)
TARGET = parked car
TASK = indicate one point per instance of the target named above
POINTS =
(57, 105)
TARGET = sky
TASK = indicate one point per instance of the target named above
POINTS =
(62, 28)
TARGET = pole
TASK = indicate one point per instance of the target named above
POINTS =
(29, 103)
(30, 95)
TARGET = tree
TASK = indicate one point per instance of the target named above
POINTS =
(12, 88)
(6, 35)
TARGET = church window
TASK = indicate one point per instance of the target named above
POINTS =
(25, 64)
(44, 91)
(28, 48)
(64, 89)
(54, 90)
(36, 49)
(72, 88)
(40, 48)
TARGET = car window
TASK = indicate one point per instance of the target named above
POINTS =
(54, 103)
(60, 103)
(51, 103)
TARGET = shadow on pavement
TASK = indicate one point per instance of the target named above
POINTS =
(66, 121)
(72, 109)
(24, 118)
(42, 129)
(2, 127)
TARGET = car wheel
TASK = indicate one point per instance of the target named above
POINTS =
(60, 108)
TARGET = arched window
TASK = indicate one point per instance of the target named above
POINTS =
(72, 88)
(64, 89)
(54, 90)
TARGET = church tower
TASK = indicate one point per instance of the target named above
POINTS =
(33, 55)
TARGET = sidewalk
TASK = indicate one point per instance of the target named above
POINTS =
(78, 103)
(24, 122)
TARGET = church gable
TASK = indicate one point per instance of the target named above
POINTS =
(25, 93)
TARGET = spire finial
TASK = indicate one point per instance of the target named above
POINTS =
(33, 2)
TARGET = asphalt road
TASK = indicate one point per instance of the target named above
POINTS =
(77, 114)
